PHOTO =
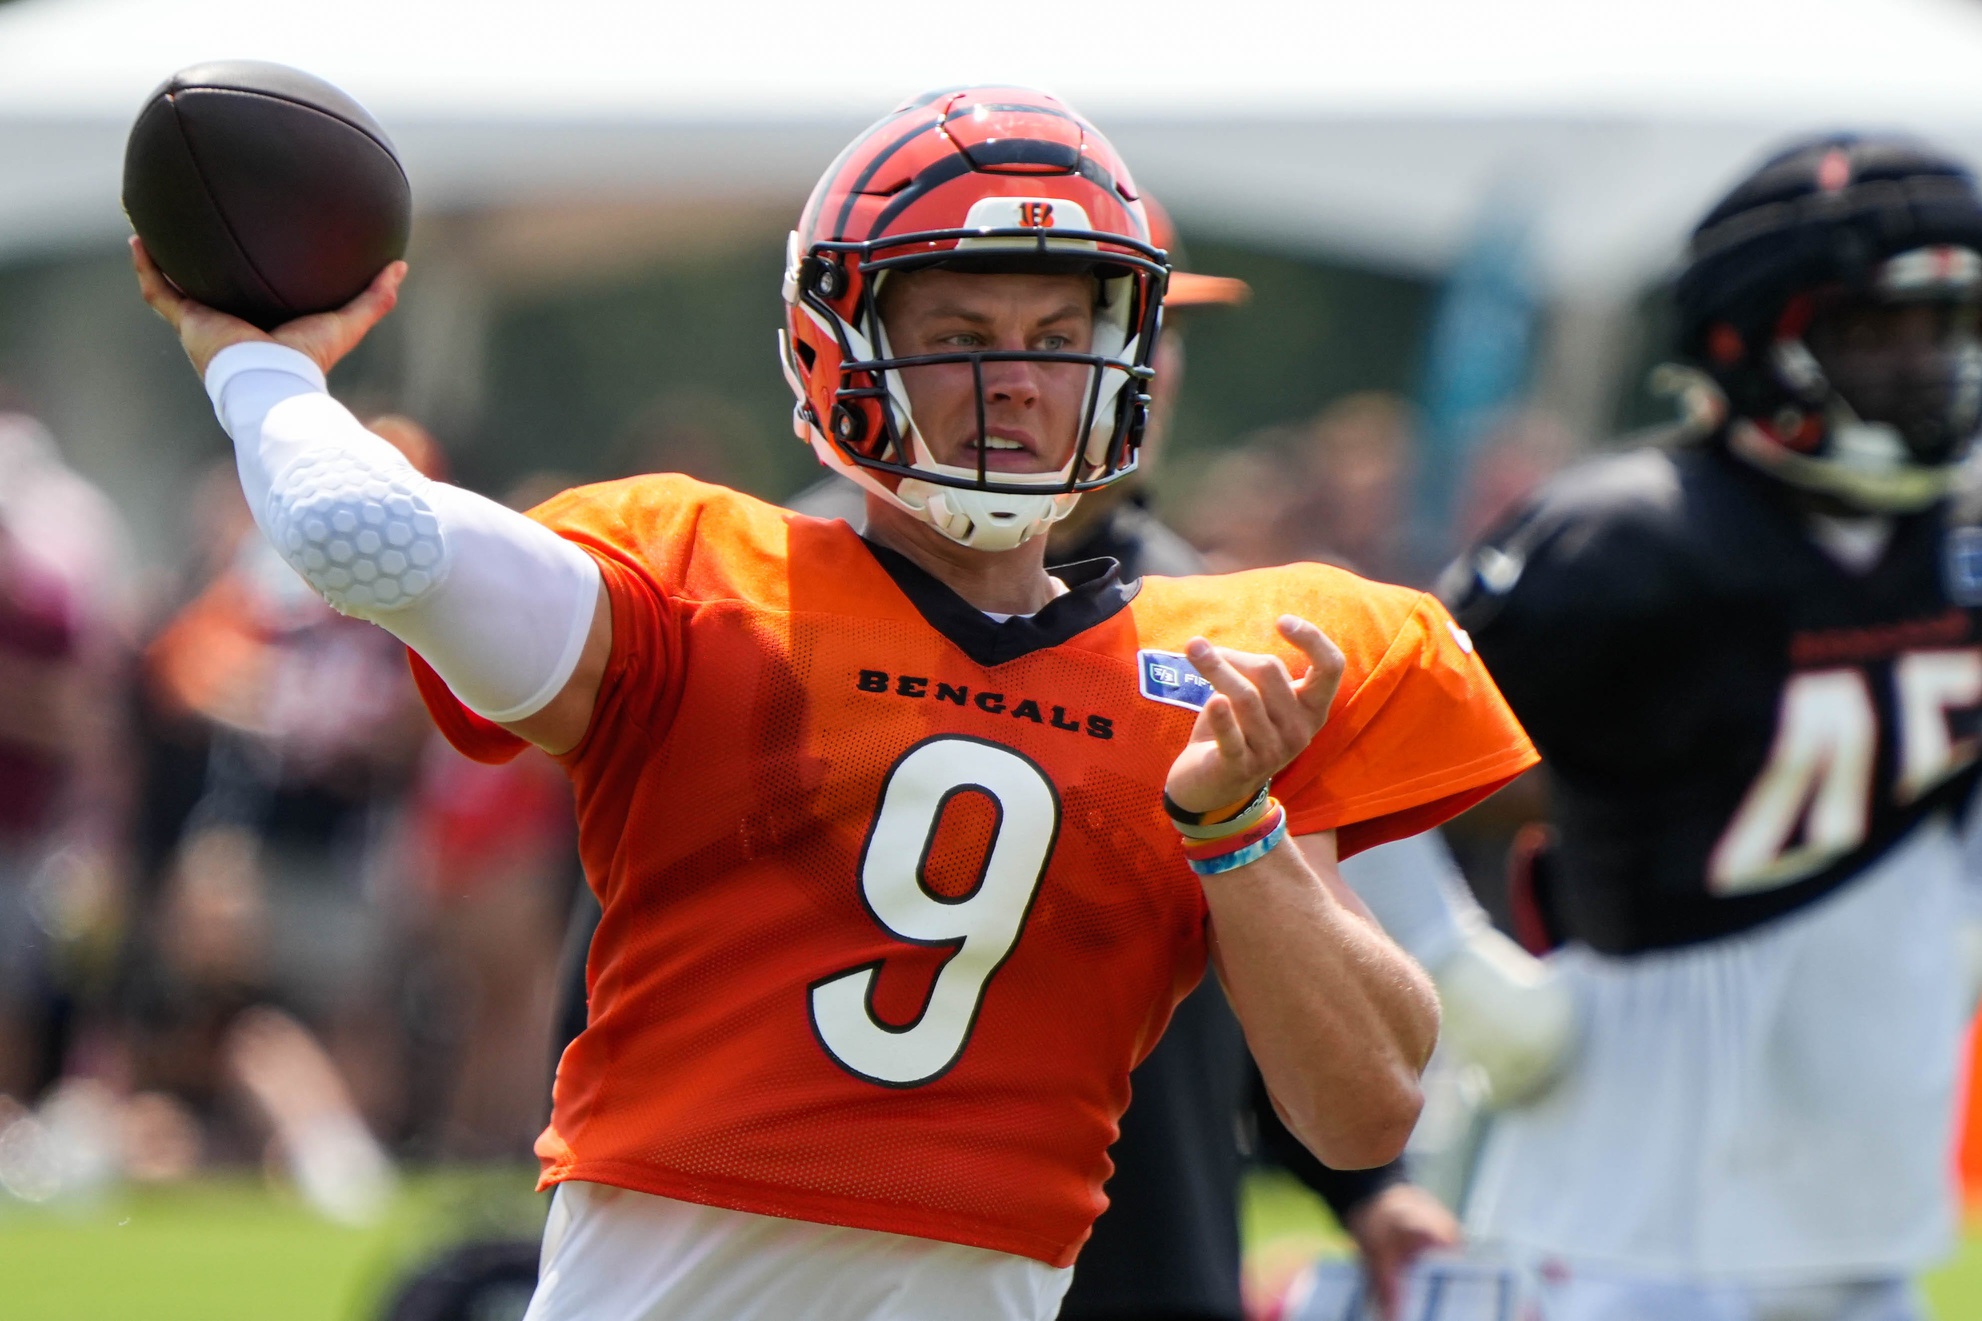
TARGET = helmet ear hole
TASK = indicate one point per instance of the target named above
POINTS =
(807, 354)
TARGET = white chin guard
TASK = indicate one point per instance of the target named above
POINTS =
(983, 520)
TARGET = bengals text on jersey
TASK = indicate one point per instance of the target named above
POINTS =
(891, 904)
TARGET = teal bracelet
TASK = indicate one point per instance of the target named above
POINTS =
(1233, 861)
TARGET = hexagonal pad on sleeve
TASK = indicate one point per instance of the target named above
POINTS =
(366, 538)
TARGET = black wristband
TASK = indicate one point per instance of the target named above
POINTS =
(1187, 818)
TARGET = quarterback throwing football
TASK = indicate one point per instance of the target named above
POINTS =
(905, 847)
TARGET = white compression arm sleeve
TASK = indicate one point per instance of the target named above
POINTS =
(498, 604)
(1504, 1010)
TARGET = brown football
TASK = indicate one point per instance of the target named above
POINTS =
(264, 191)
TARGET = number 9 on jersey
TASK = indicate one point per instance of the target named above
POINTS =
(984, 924)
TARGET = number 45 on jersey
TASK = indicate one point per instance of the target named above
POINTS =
(1821, 769)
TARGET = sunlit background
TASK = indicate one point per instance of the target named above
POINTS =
(1455, 218)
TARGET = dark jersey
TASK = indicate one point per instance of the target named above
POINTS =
(1734, 723)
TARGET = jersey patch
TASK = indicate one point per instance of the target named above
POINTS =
(1168, 677)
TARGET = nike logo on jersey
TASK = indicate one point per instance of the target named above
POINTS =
(991, 703)
(1168, 677)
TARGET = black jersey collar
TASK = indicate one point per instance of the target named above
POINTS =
(1095, 592)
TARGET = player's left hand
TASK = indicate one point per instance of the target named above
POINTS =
(1259, 717)
(1392, 1230)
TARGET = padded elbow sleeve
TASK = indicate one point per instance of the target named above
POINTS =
(498, 604)
(362, 533)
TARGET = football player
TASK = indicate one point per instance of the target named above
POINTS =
(893, 895)
(1168, 1245)
(1753, 663)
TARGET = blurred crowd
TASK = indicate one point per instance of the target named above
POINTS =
(1342, 487)
(254, 910)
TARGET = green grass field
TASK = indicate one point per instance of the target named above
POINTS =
(237, 1250)
(233, 1250)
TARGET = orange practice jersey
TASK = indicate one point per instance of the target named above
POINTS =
(891, 903)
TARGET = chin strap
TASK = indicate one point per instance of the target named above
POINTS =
(1862, 474)
(984, 520)
(1864, 464)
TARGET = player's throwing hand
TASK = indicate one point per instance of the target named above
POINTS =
(324, 338)
(1258, 719)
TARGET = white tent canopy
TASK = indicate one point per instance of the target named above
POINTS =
(1380, 129)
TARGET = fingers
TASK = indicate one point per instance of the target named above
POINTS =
(1384, 1262)
(1317, 687)
(327, 336)
(1387, 1283)
(356, 318)
(1258, 716)
(1388, 1290)
(1225, 729)
(158, 292)
(379, 297)
(1216, 666)
(1274, 719)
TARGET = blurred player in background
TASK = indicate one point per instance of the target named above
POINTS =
(893, 901)
(1753, 662)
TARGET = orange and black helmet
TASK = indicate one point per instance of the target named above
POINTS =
(982, 178)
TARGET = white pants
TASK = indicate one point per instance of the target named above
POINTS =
(615, 1255)
(1774, 1106)
(1474, 1290)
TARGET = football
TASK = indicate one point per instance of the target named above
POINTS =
(263, 191)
